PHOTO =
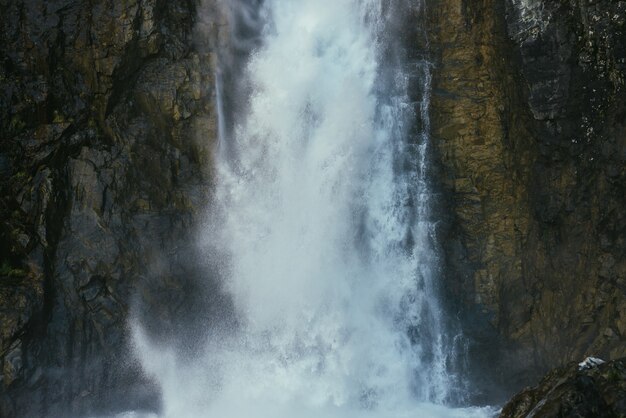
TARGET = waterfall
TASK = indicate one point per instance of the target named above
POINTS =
(323, 230)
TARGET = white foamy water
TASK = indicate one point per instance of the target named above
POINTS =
(323, 218)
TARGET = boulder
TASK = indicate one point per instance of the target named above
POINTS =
(589, 389)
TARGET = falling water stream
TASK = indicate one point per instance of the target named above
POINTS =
(324, 220)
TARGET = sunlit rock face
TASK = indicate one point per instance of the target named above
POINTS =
(102, 174)
(528, 115)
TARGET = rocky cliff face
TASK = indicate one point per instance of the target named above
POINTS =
(107, 121)
(529, 120)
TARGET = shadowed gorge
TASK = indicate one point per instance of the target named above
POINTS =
(340, 208)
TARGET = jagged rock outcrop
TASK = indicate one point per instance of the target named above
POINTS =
(529, 117)
(574, 391)
(107, 125)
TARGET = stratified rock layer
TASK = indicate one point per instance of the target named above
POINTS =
(529, 118)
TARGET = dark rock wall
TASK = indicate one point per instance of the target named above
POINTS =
(107, 121)
(573, 391)
(107, 124)
(529, 121)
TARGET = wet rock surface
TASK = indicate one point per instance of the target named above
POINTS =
(107, 124)
(528, 117)
(572, 391)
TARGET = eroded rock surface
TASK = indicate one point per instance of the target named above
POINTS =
(107, 124)
(103, 174)
(529, 117)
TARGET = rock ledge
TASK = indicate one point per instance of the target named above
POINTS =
(595, 390)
